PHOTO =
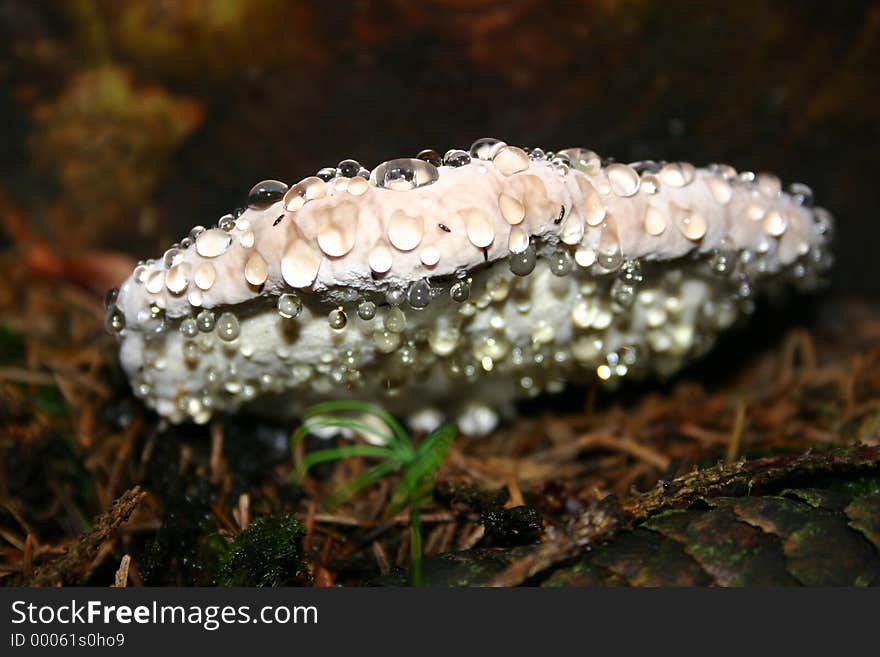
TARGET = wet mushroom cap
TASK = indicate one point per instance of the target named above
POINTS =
(459, 284)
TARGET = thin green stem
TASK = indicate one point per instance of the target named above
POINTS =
(325, 408)
(337, 453)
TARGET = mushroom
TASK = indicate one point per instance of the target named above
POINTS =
(447, 287)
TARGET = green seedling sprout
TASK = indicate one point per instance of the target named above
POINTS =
(396, 452)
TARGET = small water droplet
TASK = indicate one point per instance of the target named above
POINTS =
(114, 321)
(366, 310)
(419, 295)
(460, 291)
(560, 263)
(431, 156)
(289, 305)
(395, 320)
(110, 297)
(228, 328)
(337, 319)
(326, 174)
(456, 158)
(348, 168)
(205, 321)
(188, 328)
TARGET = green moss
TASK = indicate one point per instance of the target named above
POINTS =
(268, 553)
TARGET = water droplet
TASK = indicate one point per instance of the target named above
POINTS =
(386, 341)
(460, 291)
(266, 193)
(110, 297)
(486, 148)
(585, 256)
(395, 296)
(337, 319)
(205, 321)
(188, 328)
(204, 276)
(289, 305)
(623, 179)
(348, 168)
(114, 320)
(582, 159)
(228, 328)
(523, 264)
(307, 189)
(622, 293)
(560, 263)
(456, 158)
(405, 231)
(177, 278)
(801, 194)
(512, 209)
(691, 223)
(326, 174)
(430, 156)
(775, 223)
(403, 174)
(171, 257)
(419, 295)
(380, 257)
(678, 174)
(226, 223)
(300, 264)
(366, 310)
(480, 230)
(769, 186)
(608, 249)
(212, 243)
(510, 160)
(395, 320)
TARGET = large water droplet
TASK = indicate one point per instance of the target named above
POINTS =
(213, 243)
(486, 148)
(266, 193)
(307, 189)
(403, 174)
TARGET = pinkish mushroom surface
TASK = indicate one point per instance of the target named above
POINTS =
(448, 287)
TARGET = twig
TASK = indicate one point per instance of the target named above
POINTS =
(121, 579)
(63, 569)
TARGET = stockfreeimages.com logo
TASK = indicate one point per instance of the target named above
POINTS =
(210, 617)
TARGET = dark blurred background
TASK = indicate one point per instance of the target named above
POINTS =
(122, 124)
